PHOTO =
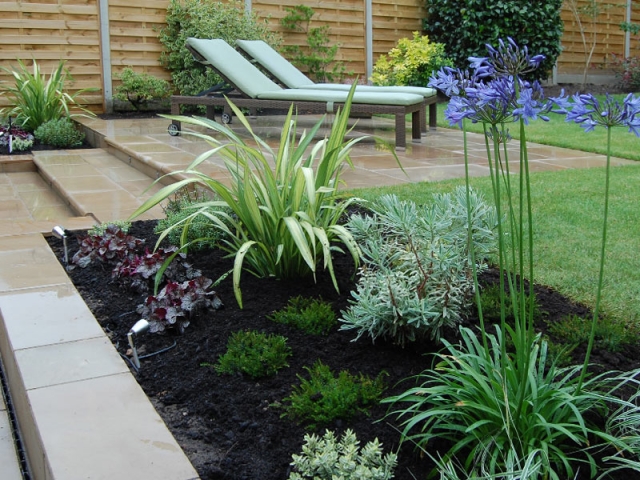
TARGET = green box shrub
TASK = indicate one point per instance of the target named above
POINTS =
(254, 354)
(324, 397)
(311, 315)
(140, 88)
(59, 133)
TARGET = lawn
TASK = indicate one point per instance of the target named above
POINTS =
(568, 207)
(559, 133)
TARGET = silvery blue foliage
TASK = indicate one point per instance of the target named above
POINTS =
(417, 273)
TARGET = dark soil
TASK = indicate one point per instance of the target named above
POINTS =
(231, 427)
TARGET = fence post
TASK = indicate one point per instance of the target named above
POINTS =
(368, 39)
(105, 53)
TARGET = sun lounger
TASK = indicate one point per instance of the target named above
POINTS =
(256, 90)
(288, 75)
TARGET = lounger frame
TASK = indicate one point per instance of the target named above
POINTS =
(416, 110)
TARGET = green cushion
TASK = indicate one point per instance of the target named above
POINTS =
(221, 56)
(245, 76)
(290, 76)
(275, 63)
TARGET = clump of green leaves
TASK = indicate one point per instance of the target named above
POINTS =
(324, 397)
(417, 277)
(187, 221)
(59, 133)
(205, 19)
(100, 228)
(410, 62)
(327, 458)
(466, 29)
(37, 99)
(317, 58)
(611, 333)
(140, 88)
(254, 354)
(286, 212)
(311, 315)
(491, 305)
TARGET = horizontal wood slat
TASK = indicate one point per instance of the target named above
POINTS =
(69, 30)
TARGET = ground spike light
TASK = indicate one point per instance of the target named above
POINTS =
(61, 233)
(140, 326)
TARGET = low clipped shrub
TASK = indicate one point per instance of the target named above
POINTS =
(324, 397)
(59, 133)
(311, 315)
(187, 222)
(410, 62)
(140, 88)
(417, 276)
(328, 458)
(254, 354)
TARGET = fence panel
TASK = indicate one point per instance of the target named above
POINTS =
(50, 31)
(53, 30)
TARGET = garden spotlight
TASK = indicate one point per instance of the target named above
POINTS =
(61, 233)
(140, 326)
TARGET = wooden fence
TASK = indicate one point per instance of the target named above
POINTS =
(100, 37)
(609, 37)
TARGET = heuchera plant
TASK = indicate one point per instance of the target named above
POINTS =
(112, 245)
(137, 270)
(173, 306)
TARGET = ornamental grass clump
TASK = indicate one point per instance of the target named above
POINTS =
(494, 405)
(417, 273)
(284, 203)
(37, 99)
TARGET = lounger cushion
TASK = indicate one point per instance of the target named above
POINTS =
(291, 77)
(244, 75)
(220, 55)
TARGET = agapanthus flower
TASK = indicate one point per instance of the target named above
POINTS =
(488, 94)
(510, 59)
(588, 112)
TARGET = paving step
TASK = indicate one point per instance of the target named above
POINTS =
(80, 411)
(94, 182)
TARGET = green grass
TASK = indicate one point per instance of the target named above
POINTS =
(568, 208)
(559, 133)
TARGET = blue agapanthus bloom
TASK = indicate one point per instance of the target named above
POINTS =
(588, 112)
(492, 91)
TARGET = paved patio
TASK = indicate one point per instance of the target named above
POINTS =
(81, 412)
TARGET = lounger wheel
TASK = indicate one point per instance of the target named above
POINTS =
(173, 129)
(226, 118)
